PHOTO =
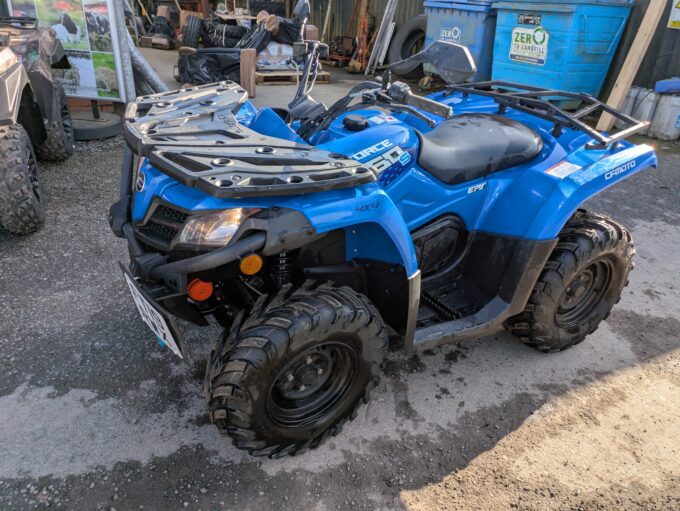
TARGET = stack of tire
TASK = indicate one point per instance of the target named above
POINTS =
(409, 40)
(211, 33)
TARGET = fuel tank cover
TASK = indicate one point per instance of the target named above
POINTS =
(355, 122)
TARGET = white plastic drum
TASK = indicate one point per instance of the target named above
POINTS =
(645, 106)
(666, 124)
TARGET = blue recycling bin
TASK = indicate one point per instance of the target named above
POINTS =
(567, 46)
(470, 23)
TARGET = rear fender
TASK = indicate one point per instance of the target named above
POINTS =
(586, 183)
(535, 204)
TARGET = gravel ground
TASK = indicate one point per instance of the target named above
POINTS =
(94, 415)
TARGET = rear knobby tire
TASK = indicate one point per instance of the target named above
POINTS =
(580, 284)
(59, 144)
(318, 346)
(21, 208)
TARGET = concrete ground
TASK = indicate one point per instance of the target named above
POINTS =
(94, 415)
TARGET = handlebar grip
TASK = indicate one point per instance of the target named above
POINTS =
(433, 107)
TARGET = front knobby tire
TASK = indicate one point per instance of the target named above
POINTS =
(296, 369)
(579, 286)
(21, 207)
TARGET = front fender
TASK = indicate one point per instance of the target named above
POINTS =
(13, 79)
(374, 227)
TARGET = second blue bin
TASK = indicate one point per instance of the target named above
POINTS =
(567, 46)
(470, 23)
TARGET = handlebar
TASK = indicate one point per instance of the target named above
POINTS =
(401, 93)
(428, 105)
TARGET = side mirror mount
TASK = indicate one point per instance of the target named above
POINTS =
(453, 62)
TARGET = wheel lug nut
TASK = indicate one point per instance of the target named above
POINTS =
(301, 388)
(319, 371)
(290, 377)
(309, 360)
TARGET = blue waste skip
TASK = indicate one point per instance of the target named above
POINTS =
(567, 46)
(470, 23)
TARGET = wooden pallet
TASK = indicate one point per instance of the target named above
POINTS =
(286, 77)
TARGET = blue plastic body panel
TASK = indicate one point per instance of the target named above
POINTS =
(529, 201)
(472, 24)
(582, 37)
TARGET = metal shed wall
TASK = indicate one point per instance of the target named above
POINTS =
(663, 56)
(341, 12)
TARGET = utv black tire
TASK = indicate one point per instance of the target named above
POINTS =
(322, 347)
(580, 284)
(408, 38)
(59, 145)
(21, 209)
(192, 31)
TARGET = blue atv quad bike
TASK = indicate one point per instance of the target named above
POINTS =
(311, 233)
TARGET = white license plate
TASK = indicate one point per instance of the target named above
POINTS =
(155, 320)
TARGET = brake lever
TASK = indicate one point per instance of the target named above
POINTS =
(406, 109)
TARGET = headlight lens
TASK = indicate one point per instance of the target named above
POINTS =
(214, 229)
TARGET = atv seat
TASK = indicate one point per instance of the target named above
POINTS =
(472, 146)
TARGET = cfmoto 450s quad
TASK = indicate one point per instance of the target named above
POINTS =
(311, 233)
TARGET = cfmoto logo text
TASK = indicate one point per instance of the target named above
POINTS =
(620, 170)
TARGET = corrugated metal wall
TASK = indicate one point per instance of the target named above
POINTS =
(663, 57)
(341, 13)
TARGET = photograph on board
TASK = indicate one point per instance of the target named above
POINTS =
(98, 25)
(105, 74)
(67, 19)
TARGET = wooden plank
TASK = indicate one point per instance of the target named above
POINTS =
(248, 66)
(635, 56)
(286, 77)
(326, 21)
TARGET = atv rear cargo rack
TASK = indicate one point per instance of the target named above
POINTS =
(537, 101)
(194, 136)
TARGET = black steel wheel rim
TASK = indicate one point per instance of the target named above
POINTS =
(310, 386)
(584, 292)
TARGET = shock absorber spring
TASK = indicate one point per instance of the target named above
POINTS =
(283, 269)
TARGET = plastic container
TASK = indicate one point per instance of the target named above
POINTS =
(628, 104)
(567, 46)
(470, 23)
(666, 123)
(669, 86)
(645, 107)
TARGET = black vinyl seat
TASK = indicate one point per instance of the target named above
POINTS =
(471, 146)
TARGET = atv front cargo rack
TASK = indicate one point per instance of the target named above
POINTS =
(193, 135)
(538, 101)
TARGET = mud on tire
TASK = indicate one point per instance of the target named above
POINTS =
(581, 282)
(59, 144)
(296, 369)
(21, 209)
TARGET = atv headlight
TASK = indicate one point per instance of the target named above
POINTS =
(214, 229)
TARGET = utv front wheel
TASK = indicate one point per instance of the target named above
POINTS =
(296, 369)
(21, 208)
(581, 282)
